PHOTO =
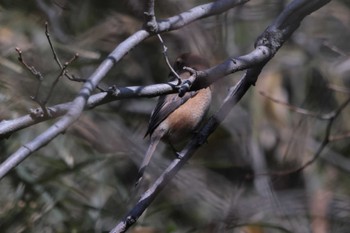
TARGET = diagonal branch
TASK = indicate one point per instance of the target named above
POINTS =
(147, 198)
(271, 39)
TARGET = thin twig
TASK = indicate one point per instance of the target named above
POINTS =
(296, 109)
(62, 73)
(55, 57)
(326, 139)
(339, 137)
(63, 68)
(335, 48)
(339, 88)
(165, 49)
(31, 69)
(39, 77)
(330, 117)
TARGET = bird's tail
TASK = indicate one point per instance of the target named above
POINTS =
(153, 144)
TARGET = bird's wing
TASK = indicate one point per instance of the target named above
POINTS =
(166, 105)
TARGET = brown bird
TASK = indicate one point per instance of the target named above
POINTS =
(175, 118)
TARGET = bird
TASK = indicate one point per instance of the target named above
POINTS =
(175, 118)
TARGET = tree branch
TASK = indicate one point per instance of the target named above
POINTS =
(151, 23)
(116, 93)
(266, 49)
(78, 104)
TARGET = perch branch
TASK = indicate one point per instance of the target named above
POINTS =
(272, 39)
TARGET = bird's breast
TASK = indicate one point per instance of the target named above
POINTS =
(184, 120)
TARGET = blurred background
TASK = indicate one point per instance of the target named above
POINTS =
(241, 181)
